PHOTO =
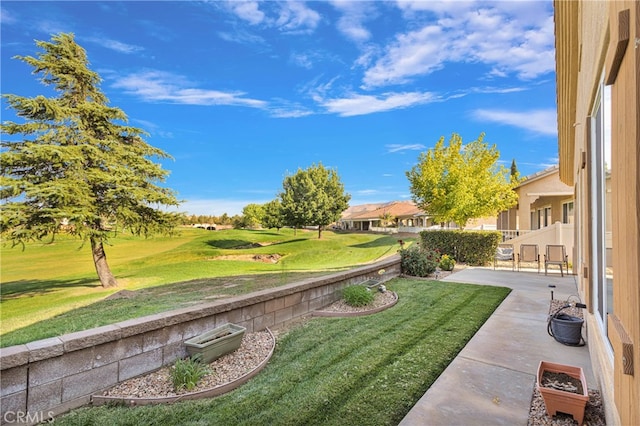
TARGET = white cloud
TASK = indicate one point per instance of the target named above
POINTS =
(161, 86)
(296, 17)
(394, 147)
(542, 121)
(354, 14)
(247, 11)
(114, 45)
(368, 104)
(501, 35)
(289, 17)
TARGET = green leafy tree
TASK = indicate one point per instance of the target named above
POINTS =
(387, 219)
(252, 215)
(73, 160)
(273, 215)
(314, 197)
(457, 183)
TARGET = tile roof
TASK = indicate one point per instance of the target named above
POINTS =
(375, 211)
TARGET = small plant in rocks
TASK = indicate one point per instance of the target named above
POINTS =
(186, 373)
(447, 263)
(357, 295)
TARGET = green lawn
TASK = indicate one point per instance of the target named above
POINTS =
(52, 289)
(339, 371)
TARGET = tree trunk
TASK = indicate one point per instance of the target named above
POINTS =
(100, 261)
(319, 232)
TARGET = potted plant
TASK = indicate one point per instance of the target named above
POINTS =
(215, 343)
(563, 388)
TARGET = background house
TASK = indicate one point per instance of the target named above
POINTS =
(399, 216)
(598, 98)
(544, 213)
(543, 199)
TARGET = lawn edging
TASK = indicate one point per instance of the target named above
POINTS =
(48, 377)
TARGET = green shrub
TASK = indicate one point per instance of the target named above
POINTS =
(357, 295)
(447, 263)
(471, 247)
(417, 261)
(186, 373)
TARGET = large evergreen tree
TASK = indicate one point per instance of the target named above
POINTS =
(314, 196)
(457, 183)
(73, 160)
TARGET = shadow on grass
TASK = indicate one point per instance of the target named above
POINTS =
(244, 244)
(378, 242)
(148, 301)
(30, 288)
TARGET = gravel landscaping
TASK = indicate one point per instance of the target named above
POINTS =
(255, 347)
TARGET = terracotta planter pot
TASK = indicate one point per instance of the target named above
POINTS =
(215, 343)
(559, 400)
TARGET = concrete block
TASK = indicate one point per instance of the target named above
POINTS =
(264, 321)
(252, 311)
(284, 315)
(234, 316)
(89, 382)
(111, 352)
(13, 356)
(92, 337)
(45, 348)
(13, 380)
(300, 309)
(292, 299)
(274, 305)
(142, 325)
(139, 364)
(43, 397)
(319, 303)
(195, 328)
(172, 352)
(158, 338)
(48, 370)
(11, 404)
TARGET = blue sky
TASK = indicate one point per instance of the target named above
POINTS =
(241, 94)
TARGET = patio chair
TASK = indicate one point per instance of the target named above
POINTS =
(505, 253)
(556, 255)
(529, 254)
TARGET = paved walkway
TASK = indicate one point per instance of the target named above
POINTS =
(491, 381)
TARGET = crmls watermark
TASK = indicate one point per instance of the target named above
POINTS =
(31, 417)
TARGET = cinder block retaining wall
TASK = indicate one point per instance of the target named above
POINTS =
(48, 377)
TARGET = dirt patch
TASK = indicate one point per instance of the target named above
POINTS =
(122, 294)
(265, 258)
(252, 245)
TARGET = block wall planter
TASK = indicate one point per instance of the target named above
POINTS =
(215, 343)
(561, 400)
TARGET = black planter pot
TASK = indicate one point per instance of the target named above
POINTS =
(566, 329)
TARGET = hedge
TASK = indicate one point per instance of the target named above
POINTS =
(476, 248)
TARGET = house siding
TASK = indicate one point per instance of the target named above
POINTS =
(587, 48)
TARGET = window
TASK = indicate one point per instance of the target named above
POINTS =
(567, 212)
(547, 216)
(602, 248)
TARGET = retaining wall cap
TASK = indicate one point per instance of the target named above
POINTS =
(13, 356)
(45, 348)
(92, 337)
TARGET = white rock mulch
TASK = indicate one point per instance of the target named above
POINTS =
(253, 350)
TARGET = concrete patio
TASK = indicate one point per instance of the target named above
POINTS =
(491, 381)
